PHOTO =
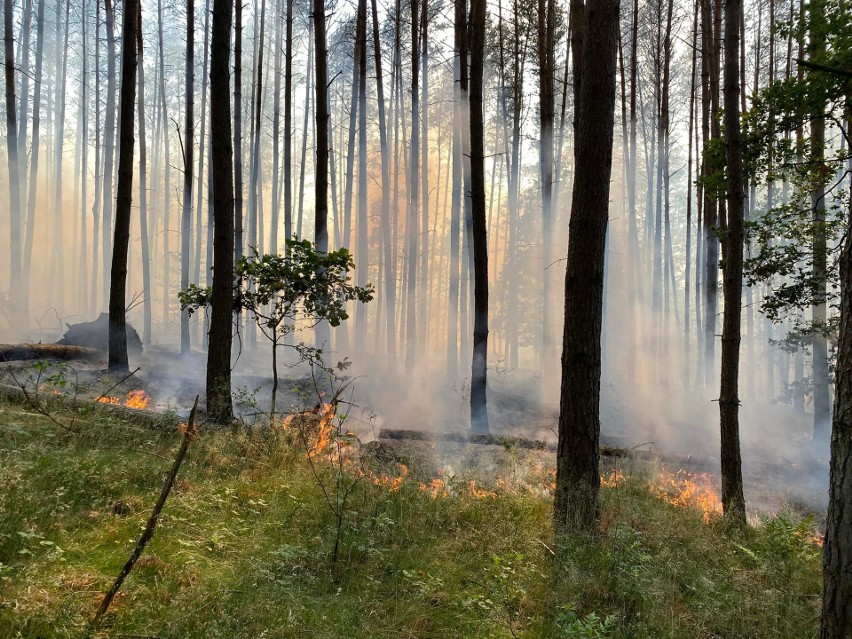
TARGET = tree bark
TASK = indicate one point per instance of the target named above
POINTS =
(577, 475)
(188, 146)
(109, 147)
(322, 118)
(16, 280)
(143, 192)
(479, 367)
(733, 501)
(118, 272)
(219, 404)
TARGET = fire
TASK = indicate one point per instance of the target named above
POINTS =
(326, 413)
(394, 484)
(613, 480)
(689, 490)
(436, 488)
(137, 399)
(479, 493)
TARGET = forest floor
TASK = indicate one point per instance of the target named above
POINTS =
(245, 546)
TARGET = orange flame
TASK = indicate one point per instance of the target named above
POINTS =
(436, 488)
(137, 399)
(108, 400)
(326, 412)
(479, 493)
(689, 490)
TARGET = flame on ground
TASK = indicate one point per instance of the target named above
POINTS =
(689, 490)
(137, 399)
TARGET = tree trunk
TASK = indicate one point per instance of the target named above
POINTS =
(189, 127)
(57, 259)
(390, 281)
(577, 475)
(238, 133)
(288, 124)
(143, 192)
(478, 409)
(219, 405)
(118, 272)
(837, 552)
(361, 255)
(167, 170)
(109, 147)
(733, 501)
(322, 117)
(16, 279)
(822, 402)
(546, 27)
(276, 131)
(413, 194)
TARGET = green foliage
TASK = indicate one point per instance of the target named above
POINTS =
(275, 288)
(589, 627)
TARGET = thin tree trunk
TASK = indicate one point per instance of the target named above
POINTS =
(219, 404)
(143, 192)
(413, 195)
(733, 501)
(109, 147)
(238, 132)
(118, 274)
(300, 210)
(16, 279)
(322, 122)
(478, 409)
(188, 145)
(361, 256)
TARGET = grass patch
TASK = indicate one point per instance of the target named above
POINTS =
(243, 550)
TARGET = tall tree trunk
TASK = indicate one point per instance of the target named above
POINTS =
(322, 118)
(577, 475)
(478, 409)
(288, 124)
(16, 279)
(837, 552)
(219, 404)
(455, 213)
(361, 254)
(201, 153)
(546, 28)
(188, 145)
(83, 272)
(57, 258)
(822, 402)
(143, 192)
(24, 97)
(733, 501)
(390, 281)
(167, 172)
(411, 334)
(118, 273)
(300, 209)
(423, 274)
(276, 130)
(109, 147)
(708, 125)
(238, 131)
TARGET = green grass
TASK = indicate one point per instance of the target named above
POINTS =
(244, 550)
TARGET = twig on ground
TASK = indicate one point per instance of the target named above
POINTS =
(189, 435)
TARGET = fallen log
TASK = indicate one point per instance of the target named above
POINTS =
(64, 352)
(613, 448)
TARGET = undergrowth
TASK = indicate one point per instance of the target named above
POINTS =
(244, 550)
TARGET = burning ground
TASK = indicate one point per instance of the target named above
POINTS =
(434, 539)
